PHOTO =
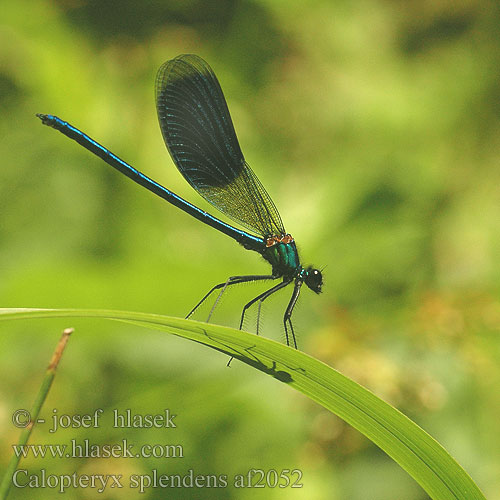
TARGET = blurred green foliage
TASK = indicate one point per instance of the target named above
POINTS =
(375, 126)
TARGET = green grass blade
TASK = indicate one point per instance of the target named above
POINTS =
(410, 446)
(43, 392)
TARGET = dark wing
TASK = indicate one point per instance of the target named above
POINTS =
(200, 137)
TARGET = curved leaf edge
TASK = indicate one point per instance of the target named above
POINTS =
(403, 440)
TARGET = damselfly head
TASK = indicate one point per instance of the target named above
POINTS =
(313, 279)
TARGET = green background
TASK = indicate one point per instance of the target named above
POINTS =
(375, 127)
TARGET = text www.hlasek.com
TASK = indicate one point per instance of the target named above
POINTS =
(85, 449)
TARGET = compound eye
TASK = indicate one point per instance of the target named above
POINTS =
(314, 280)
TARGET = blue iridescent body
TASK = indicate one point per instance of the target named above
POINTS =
(199, 134)
(283, 258)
